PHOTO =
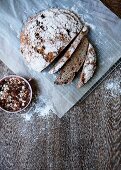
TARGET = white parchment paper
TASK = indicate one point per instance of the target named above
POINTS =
(105, 35)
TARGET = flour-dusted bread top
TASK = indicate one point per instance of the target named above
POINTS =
(46, 34)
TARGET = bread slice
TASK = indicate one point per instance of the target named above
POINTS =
(70, 51)
(69, 70)
(88, 67)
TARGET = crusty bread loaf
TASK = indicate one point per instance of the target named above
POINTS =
(70, 51)
(46, 34)
(76, 61)
(88, 67)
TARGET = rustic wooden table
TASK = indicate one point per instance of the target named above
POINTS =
(88, 137)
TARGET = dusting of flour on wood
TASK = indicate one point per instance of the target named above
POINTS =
(41, 107)
(114, 87)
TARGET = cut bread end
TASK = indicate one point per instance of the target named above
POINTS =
(74, 64)
(88, 67)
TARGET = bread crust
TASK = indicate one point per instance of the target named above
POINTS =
(88, 67)
(76, 61)
(46, 34)
(70, 51)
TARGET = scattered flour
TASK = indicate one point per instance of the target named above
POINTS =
(93, 27)
(41, 108)
(11, 26)
(74, 8)
(84, 17)
(45, 110)
(25, 11)
(114, 87)
(27, 116)
(88, 18)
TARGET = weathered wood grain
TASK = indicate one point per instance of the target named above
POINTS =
(88, 137)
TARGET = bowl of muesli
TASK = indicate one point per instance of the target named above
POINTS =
(15, 93)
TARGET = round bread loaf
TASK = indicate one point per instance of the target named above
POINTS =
(46, 34)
